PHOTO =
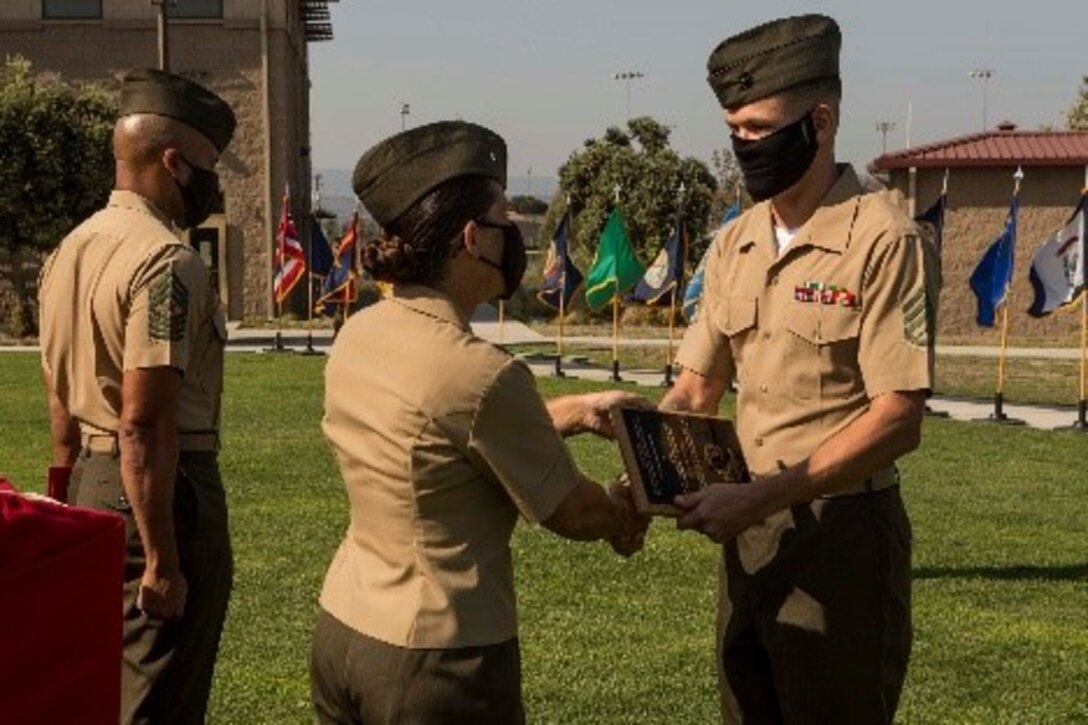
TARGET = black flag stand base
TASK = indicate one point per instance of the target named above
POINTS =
(998, 416)
(310, 349)
(616, 372)
(1081, 426)
(277, 344)
(559, 367)
(667, 382)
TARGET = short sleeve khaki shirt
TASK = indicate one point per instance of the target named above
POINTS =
(122, 292)
(845, 314)
(442, 440)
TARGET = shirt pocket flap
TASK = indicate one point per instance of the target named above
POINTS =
(824, 325)
(736, 314)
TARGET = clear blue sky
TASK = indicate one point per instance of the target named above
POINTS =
(540, 71)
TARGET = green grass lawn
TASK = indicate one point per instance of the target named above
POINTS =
(1000, 596)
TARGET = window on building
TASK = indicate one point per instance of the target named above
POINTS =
(68, 9)
(196, 9)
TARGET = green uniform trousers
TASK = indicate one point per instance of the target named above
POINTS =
(166, 673)
(358, 679)
(821, 633)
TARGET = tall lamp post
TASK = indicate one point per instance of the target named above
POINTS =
(984, 75)
(627, 77)
(164, 31)
(405, 109)
(883, 127)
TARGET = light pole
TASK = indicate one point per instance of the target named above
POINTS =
(883, 127)
(405, 109)
(164, 31)
(984, 75)
(627, 77)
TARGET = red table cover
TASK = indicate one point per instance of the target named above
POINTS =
(60, 612)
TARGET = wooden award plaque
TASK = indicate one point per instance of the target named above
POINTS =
(667, 454)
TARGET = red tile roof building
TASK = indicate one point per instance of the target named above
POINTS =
(980, 172)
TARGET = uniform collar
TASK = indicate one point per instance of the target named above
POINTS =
(833, 219)
(136, 202)
(429, 301)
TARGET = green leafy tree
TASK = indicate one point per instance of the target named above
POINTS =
(56, 168)
(1076, 118)
(529, 205)
(730, 183)
(648, 173)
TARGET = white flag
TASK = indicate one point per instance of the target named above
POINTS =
(1057, 272)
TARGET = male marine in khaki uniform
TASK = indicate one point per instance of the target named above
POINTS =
(132, 341)
(819, 303)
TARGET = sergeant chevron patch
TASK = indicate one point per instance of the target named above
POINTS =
(168, 308)
(917, 317)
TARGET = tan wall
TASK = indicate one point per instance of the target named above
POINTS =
(978, 202)
(226, 57)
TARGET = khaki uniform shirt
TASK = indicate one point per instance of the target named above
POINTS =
(441, 439)
(845, 314)
(122, 292)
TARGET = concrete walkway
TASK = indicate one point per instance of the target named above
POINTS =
(511, 332)
(1035, 416)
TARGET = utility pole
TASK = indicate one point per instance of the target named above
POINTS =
(627, 77)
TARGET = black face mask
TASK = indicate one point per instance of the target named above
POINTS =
(513, 257)
(200, 196)
(776, 162)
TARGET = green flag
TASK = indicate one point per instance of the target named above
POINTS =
(615, 268)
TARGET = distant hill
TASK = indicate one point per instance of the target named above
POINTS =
(337, 196)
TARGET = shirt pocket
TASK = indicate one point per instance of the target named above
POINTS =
(822, 354)
(736, 320)
(735, 315)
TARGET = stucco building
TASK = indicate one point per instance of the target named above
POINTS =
(980, 185)
(254, 53)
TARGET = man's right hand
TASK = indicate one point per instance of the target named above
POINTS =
(162, 594)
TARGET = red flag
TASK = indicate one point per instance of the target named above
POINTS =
(290, 257)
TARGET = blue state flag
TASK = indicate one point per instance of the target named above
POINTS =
(992, 277)
(932, 221)
(667, 271)
(338, 285)
(694, 293)
(320, 257)
(561, 277)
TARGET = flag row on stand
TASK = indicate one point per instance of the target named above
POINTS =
(616, 269)
(332, 270)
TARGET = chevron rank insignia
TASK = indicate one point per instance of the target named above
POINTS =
(918, 317)
(168, 308)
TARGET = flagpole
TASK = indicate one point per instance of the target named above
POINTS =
(682, 247)
(616, 337)
(562, 298)
(281, 243)
(999, 415)
(940, 252)
(315, 204)
(616, 313)
(1082, 404)
(667, 382)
